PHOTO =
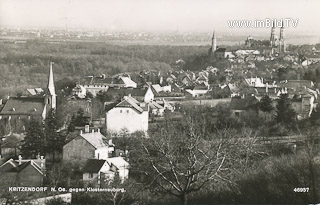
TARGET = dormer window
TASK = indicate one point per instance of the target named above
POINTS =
(13, 109)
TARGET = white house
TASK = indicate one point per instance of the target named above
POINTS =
(79, 91)
(120, 166)
(97, 172)
(128, 114)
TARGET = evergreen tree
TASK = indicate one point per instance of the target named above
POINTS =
(285, 114)
(54, 140)
(71, 126)
(81, 119)
(265, 104)
(34, 140)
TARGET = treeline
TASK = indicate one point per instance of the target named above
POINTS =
(26, 65)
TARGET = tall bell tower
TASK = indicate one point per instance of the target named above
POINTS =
(282, 41)
(214, 42)
(272, 37)
(51, 93)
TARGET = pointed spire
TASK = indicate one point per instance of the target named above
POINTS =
(51, 81)
(214, 41)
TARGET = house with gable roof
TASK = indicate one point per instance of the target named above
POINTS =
(97, 172)
(31, 106)
(87, 145)
(128, 114)
(28, 172)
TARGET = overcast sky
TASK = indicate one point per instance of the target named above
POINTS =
(157, 15)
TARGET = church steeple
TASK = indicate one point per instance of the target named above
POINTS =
(272, 37)
(51, 95)
(214, 42)
(282, 42)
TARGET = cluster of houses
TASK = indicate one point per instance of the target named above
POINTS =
(303, 95)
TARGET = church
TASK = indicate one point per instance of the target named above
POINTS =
(218, 52)
(25, 107)
(278, 44)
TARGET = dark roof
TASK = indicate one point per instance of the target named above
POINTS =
(89, 80)
(138, 92)
(296, 84)
(23, 106)
(93, 166)
(132, 103)
(222, 50)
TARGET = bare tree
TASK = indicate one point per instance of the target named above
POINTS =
(181, 161)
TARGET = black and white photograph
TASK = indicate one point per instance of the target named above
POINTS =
(165, 102)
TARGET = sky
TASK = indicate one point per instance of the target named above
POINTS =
(158, 15)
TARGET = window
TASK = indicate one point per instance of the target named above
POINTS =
(237, 114)
(90, 175)
(127, 111)
(120, 111)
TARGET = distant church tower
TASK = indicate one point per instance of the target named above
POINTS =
(50, 98)
(213, 45)
(214, 42)
(273, 37)
(282, 41)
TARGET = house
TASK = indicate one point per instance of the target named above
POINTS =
(304, 102)
(120, 166)
(35, 91)
(31, 106)
(255, 82)
(239, 105)
(296, 84)
(28, 172)
(87, 145)
(221, 53)
(94, 84)
(98, 172)
(128, 114)
(142, 94)
(156, 109)
(79, 91)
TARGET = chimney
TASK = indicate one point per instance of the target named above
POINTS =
(129, 95)
(86, 128)
(98, 130)
(80, 132)
(20, 158)
(0, 101)
(92, 130)
(267, 89)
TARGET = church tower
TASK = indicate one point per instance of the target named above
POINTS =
(272, 37)
(214, 42)
(282, 41)
(51, 93)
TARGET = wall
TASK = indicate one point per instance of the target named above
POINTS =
(149, 96)
(129, 119)
(78, 149)
(29, 176)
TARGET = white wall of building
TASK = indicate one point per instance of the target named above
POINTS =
(119, 118)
